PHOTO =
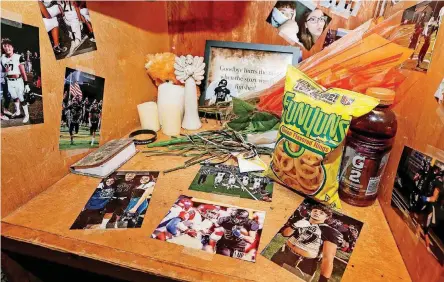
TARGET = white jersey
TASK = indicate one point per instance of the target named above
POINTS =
(67, 6)
(310, 237)
(11, 64)
(47, 3)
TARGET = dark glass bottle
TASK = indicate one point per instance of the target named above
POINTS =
(367, 149)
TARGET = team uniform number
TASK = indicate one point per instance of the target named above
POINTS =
(238, 254)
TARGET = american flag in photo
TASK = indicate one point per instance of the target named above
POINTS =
(75, 91)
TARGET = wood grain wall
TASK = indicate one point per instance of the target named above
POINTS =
(30, 158)
(190, 24)
(419, 127)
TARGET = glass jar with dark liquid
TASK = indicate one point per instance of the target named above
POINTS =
(367, 149)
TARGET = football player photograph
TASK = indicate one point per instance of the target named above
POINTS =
(81, 118)
(94, 119)
(315, 244)
(309, 240)
(239, 230)
(199, 224)
(69, 27)
(75, 118)
(418, 198)
(222, 93)
(21, 75)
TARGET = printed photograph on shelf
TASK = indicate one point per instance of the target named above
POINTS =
(299, 22)
(227, 180)
(213, 228)
(233, 69)
(420, 25)
(21, 79)
(418, 198)
(69, 27)
(439, 94)
(119, 201)
(81, 110)
(316, 241)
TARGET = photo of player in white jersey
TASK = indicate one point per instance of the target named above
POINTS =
(315, 244)
(212, 227)
(69, 27)
(21, 93)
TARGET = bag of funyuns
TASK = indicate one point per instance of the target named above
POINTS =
(314, 124)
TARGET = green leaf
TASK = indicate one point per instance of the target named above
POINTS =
(242, 108)
(239, 123)
(263, 121)
(276, 127)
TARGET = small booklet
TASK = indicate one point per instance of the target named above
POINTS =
(106, 159)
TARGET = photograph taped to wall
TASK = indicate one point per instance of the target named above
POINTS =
(420, 25)
(235, 68)
(81, 110)
(69, 27)
(119, 201)
(212, 227)
(315, 241)
(439, 94)
(299, 22)
(418, 198)
(21, 81)
(227, 180)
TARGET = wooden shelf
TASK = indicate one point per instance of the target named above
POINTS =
(45, 221)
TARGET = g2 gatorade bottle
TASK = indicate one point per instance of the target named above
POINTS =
(367, 149)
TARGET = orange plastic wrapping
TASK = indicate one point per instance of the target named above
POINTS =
(366, 57)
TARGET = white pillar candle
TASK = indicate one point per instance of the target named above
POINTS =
(149, 117)
(171, 117)
(169, 93)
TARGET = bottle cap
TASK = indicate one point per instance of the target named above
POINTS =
(385, 96)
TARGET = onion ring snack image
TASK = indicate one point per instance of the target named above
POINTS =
(314, 124)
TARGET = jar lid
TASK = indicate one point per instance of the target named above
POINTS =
(385, 96)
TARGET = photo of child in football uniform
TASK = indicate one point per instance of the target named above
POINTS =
(212, 227)
(21, 75)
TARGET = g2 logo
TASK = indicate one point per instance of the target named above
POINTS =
(358, 165)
